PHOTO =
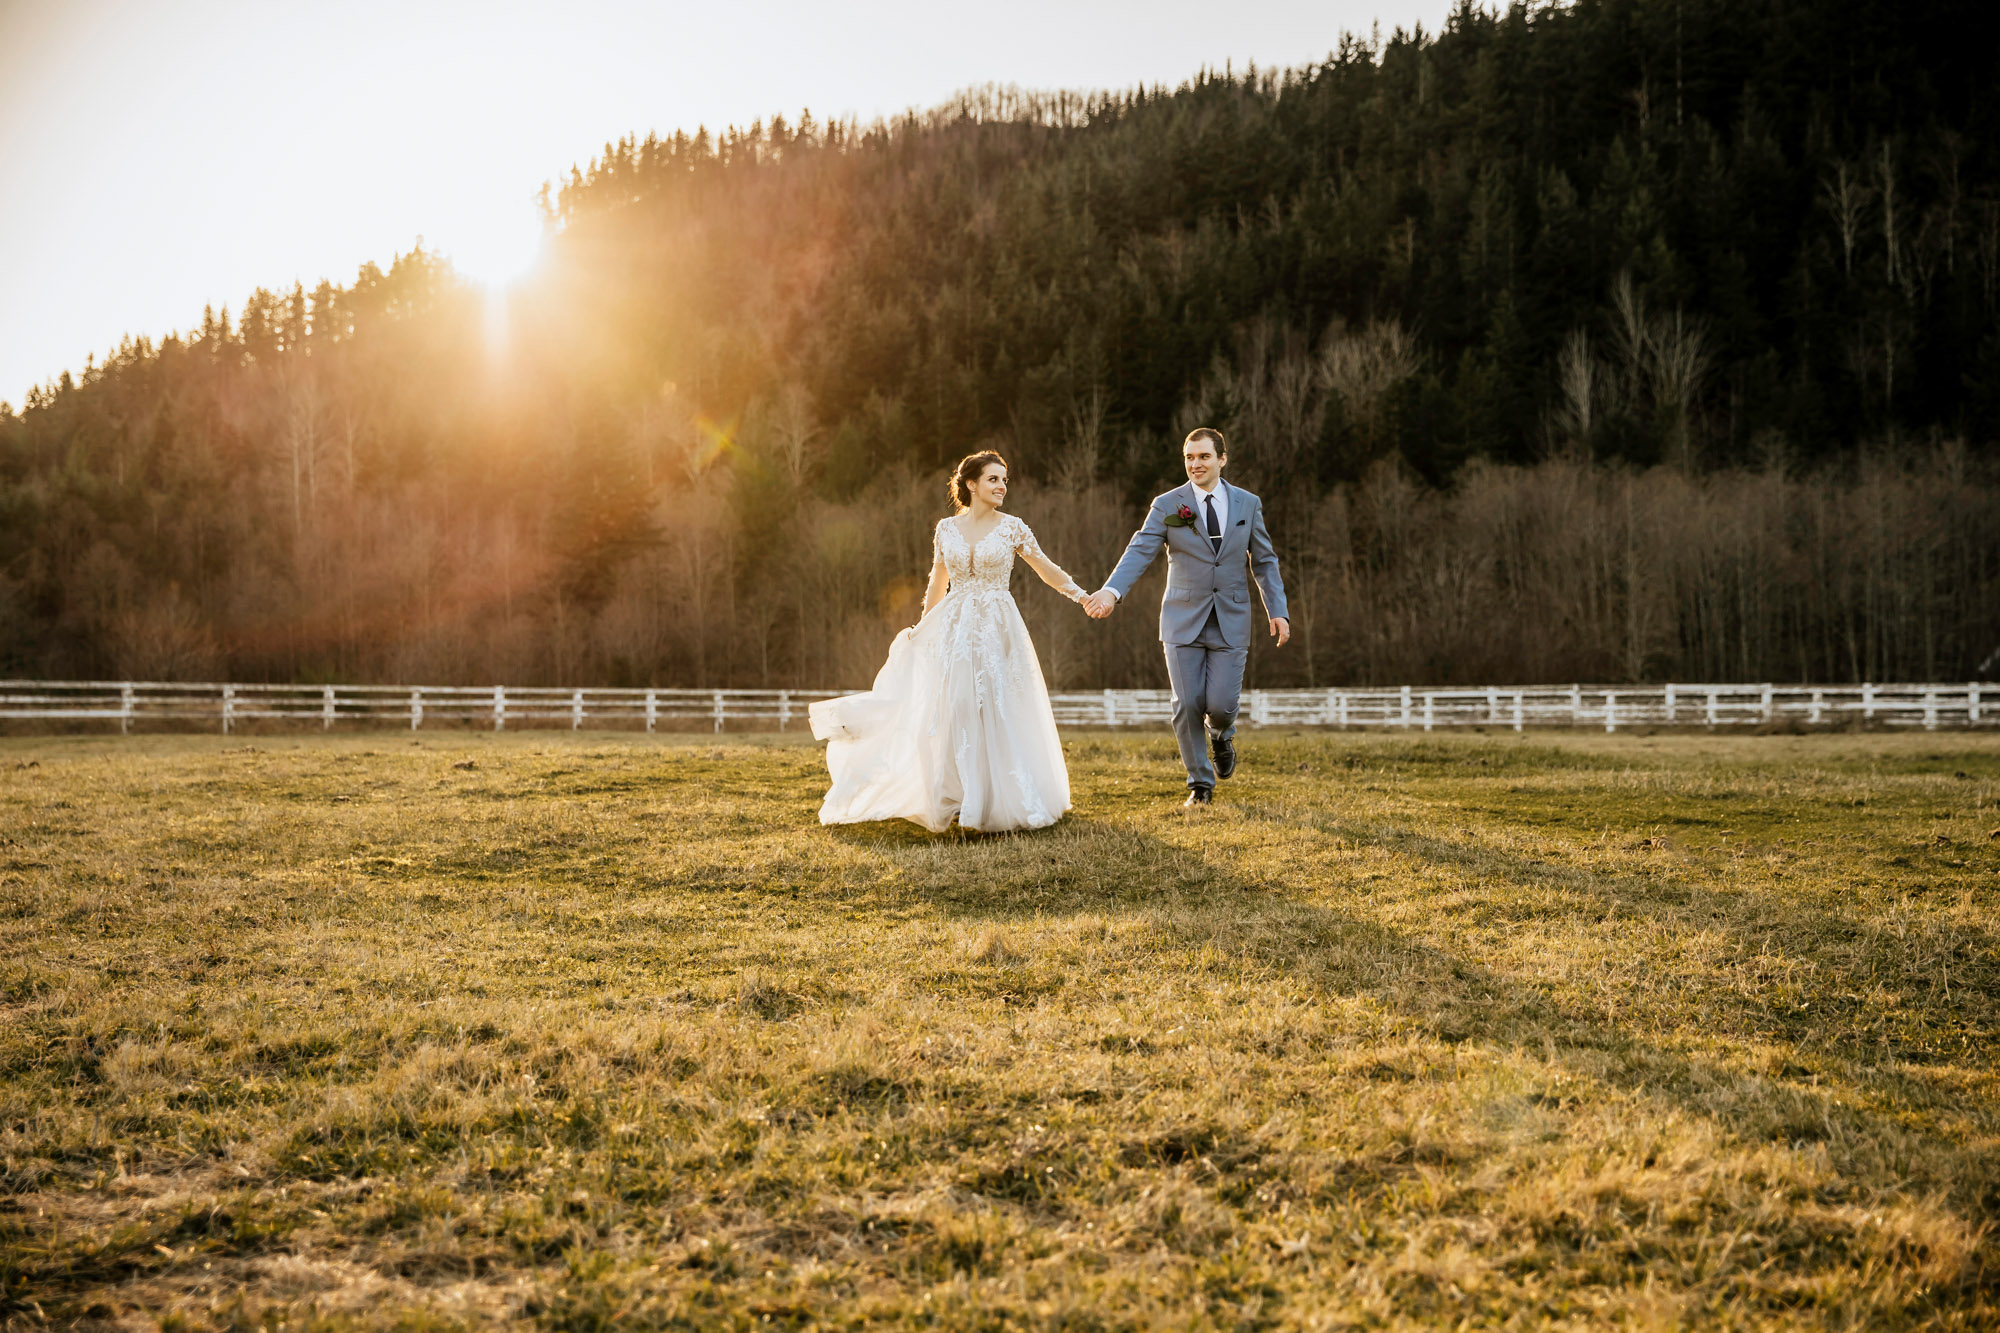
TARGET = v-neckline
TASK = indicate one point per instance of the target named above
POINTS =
(973, 544)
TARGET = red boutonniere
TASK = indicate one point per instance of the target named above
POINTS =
(1180, 518)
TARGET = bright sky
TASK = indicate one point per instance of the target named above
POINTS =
(157, 155)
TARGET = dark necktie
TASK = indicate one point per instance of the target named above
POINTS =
(1214, 527)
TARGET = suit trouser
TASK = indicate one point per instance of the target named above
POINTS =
(1207, 676)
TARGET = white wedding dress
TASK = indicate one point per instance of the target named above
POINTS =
(958, 724)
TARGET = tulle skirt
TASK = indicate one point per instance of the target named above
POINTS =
(958, 725)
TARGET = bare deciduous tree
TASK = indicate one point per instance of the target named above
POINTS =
(1845, 196)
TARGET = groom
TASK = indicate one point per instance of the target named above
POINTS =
(1215, 537)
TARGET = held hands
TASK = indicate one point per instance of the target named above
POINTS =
(1101, 603)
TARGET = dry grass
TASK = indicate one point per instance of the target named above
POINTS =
(602, 1031)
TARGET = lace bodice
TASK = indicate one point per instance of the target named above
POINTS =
(988, 564)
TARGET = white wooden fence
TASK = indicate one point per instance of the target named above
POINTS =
(497, 706)
(1409, 708)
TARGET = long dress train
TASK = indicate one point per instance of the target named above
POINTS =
(958, 724)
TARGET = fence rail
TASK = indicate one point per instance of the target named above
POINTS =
(1930, 706)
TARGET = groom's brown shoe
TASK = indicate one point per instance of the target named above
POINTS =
(1225, 755)
(1197, 797)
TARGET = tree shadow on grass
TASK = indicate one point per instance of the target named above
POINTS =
(1821, 937)
(1192, 904)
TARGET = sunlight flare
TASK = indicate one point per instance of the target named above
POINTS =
(500, 251)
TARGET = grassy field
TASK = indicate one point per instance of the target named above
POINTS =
(606, 1031)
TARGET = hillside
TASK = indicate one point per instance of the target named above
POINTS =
(1593, 262)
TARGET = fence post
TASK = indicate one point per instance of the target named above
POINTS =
(125, 708)
(1576, 705)
(1867, 702)
(1406, 705)
(653, 710)
(1711, 705)
(1492, 704)
(1813, 716)
(784, 708)
(1517, 710)
(576, 710)
(1110, 710)
(1972, 704)
(1343, 708)
(1670, 701)
(1611, 710)
(1430, 709)
(416, 709)
(1930, 710)
(720, 710)
(499, 708)
(228, 708)
(326, 708)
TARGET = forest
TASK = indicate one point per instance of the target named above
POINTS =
(1608, 341)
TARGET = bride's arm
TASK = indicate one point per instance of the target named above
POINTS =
(1051, 573)
(940, 583)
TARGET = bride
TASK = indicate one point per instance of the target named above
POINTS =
(958, 724)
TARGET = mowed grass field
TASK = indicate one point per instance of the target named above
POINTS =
(606, 1031)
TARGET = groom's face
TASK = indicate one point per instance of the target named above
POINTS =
(1204, 465)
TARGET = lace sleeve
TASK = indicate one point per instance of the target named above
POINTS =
(1024, 540)
(1051, 573)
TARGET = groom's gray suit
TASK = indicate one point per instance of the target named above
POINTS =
(1205, 622)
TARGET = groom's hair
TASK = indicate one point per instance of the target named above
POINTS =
(1208, 433)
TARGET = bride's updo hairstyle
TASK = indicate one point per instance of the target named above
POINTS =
(967, 472)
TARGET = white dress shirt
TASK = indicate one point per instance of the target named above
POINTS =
(1221, 493)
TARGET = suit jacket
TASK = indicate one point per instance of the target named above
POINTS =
(1201, 579)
